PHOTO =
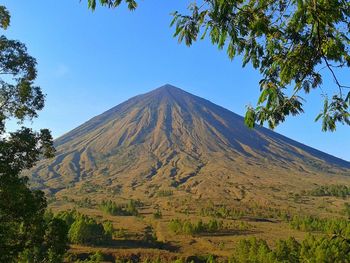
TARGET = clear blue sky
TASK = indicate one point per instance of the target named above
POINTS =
(89, 62)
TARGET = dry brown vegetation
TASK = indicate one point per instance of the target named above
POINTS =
(191, 160)
(241, 220)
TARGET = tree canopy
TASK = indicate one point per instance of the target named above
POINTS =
(25, 234)
(293, 44)
(312, 249)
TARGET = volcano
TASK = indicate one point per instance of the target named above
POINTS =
(171, 139)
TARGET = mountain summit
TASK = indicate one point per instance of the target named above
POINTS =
(171, 138)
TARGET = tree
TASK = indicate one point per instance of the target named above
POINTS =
(85, 230)
(288, 250)
(312, 249)
(56, 240)
(25, 236)
(291, 43)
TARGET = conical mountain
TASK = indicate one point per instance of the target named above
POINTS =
(169, 138)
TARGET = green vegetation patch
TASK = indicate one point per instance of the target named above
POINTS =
(86, 230)
(325, 225)
(235, 213)
(312, 249)
(189, 228)
(331, 190)
(114, 209)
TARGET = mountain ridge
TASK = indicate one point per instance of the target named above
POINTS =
(169, 137)
(169, 89)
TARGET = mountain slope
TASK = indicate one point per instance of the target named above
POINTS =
(170, 138)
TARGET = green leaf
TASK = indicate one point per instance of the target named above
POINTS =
(4, 17)
(250, 118)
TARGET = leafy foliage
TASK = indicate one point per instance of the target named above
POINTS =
(94, 258)
(315, 224)
(322, 249)
(150, 235)
(347, 209)
(253, 210)
(4, 17)
(25, 235)
(331, 190)
(86, 230)
(47, 241)
(112, 3)
(290, 42)
(187, 227)
(157, 214)
(112, 208)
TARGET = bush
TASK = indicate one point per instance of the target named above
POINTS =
(312, 249)
(164, 193)
(108, 229)
(85, 230)
(150, 236)
(68, 216)
(331, 190)
(53, 245)
(86, 202)
(94, 258)
(347, 209)
(326, 225)
(157, 214)
(239, 212)
(252, 250)
(187, 227)
(112, 208)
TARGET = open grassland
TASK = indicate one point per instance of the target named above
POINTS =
(148, 232)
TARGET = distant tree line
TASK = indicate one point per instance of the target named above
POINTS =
(331, 190)
(325, 249)
(223, 211)
(114, 209)
(325, 225)
(190, 228)
(312, 249)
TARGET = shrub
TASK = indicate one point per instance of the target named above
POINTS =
(86, 202)
(239, 212)
(164, 193)
(85, 230)
(108, 229)
(312, 249)
(157, 214)
(347, 209)
(150, 236)
(94, 258)
(112, 208)
(187, 227)
(326, 225)
(331, 190)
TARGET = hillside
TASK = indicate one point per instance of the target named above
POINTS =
(169, 138)
(179, 157)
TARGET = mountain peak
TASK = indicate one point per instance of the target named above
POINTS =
(171, 137)
(168, 89)
(168, 86)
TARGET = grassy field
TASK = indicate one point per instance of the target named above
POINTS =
(148, 235)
